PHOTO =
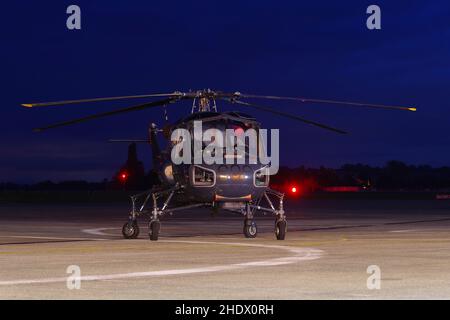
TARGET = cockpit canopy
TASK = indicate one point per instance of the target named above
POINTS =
(238, 122)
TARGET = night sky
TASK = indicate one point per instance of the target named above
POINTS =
(313, 49)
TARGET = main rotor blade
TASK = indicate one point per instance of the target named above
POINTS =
(305, 100)
(109, 113)
(291, 116)
(130, 140)
(57, 103)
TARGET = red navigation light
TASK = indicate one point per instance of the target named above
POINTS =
(123, 176)
(294, 189)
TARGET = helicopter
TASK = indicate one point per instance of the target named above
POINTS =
(240, 188)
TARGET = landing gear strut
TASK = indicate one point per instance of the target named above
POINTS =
(250, 228)
(130, 229)
(160, 207)
(280, 221)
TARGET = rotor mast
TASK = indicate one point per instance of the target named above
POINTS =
(204, 101)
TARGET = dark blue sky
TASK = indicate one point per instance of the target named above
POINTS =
(316, 49)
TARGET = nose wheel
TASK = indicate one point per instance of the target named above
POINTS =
(153, 229)
(130, 230)
(250, 229)
(280, 229)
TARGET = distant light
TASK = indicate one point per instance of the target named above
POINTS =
(294, 189)
(123, 176)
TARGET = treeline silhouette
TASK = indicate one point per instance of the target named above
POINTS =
(394, 176)
(134, 182)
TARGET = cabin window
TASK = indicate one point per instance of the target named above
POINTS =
(203, 177)
(261, 177)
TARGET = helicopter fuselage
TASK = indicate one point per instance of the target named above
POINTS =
(219, 183)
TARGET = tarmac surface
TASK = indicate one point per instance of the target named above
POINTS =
(331, 251)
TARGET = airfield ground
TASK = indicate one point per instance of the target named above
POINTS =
(329, 246)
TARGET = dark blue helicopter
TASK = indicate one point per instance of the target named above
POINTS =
(237, 187)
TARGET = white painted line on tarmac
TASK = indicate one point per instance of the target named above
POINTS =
(97, 231)
(296, 255)
(51, 238)
(404, 230)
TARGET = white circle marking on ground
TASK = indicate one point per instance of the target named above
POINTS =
(296, 255)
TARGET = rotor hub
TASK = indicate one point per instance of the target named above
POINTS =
(204, 101)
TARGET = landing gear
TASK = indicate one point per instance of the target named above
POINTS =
(250, 228)
(130, 230)
(280, 229)
(160, 198)
(153, 229)
(280, 221)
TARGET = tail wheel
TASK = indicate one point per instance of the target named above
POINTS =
(280, 229)
(130, 230)
(153, 230)
(250, 229)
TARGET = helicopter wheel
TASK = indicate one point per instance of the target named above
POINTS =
(250, 229)
(153, 229)
(280, 229)
(130, 230)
